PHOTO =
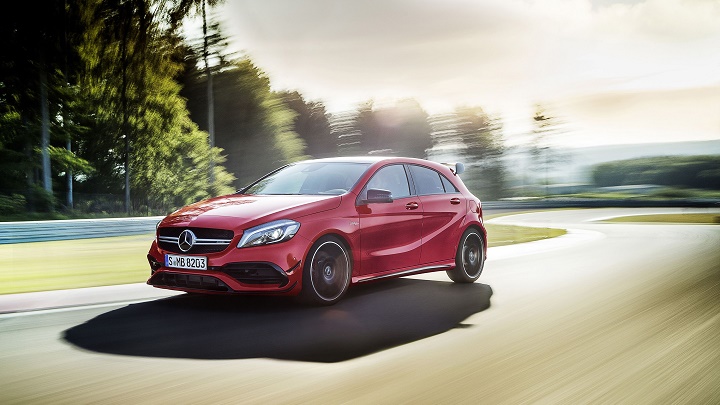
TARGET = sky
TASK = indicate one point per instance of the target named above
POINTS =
(613, 71)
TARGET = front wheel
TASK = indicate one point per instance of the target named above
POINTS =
(327, 272)
(469, 259)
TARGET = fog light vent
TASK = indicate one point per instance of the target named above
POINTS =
(154, 264)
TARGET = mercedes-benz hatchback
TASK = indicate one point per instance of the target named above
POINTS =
(312, 229)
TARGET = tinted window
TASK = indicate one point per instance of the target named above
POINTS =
(393, 179)
(331, 178)
(427, 181)
(449, 187)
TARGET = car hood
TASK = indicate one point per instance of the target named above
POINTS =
(245, 210)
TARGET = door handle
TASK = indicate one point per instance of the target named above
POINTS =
(411, 206)
(455, 201)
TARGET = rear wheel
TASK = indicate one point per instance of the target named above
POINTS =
(327, 272)
(469, 259)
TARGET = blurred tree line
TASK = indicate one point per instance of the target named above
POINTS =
(476, 139)
(105, 106)
(701, 172)
(90, 104)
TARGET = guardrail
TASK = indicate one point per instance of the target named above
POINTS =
(597, 203)
(41, 231)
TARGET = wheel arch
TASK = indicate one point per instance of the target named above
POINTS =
(309, 292)
(339, 236)
(481, 230)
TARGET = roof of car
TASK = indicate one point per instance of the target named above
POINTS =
(350, 159)
(367, 159)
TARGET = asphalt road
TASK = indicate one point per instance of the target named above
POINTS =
(611, 313)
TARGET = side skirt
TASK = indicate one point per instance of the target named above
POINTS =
(406, 273)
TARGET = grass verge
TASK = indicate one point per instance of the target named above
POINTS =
(501, 235)
(58, 265)
(671, 218)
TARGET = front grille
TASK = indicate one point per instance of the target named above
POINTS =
(255, 273)
(165, 279)
(208, 240)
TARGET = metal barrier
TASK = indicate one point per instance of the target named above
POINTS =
(596, 203)
(41, 231)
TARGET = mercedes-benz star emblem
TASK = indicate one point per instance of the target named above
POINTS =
(186, 240)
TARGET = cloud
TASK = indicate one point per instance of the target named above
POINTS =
(646, 116)
(662, 20)
(500, 54)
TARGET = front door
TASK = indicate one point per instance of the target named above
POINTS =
(390, 233)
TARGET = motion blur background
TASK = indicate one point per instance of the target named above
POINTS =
(112, 108)
(137, 107)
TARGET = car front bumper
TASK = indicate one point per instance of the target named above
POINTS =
(272, 269)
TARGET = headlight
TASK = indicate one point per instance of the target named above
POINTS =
(271, 232)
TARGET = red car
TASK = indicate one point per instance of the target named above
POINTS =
(313, 228)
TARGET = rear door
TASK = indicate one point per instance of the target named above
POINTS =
(443, 212)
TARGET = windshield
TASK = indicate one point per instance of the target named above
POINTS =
(314, 178)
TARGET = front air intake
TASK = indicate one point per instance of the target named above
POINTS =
(189, 281)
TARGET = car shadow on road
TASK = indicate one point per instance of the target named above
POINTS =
(370, 318)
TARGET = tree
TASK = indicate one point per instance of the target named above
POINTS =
(542, 153)
(182, 9)
(484, 149)
(345, 133)
(312, 124)
(401, 130)
(91, 87)
(252, 124)
(133, 106)
(474, 137)
(702, 172)
(38, 40)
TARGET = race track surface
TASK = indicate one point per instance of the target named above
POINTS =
(610, 313)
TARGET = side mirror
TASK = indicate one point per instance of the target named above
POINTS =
(375, 195)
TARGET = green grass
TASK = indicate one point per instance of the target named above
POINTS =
(58, 265)
(501, 235)
(671, 218)
(662, 194)
(603, 196)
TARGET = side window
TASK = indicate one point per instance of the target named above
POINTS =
(449, 187)
(427, 181)
(392, 178)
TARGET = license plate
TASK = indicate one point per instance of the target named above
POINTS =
(186, 262)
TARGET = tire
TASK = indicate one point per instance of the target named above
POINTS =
(327, 272)
(469, 259)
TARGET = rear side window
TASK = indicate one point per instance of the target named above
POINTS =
(449, 187)
(427, 181)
